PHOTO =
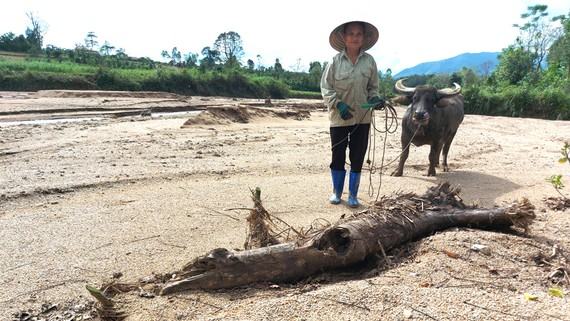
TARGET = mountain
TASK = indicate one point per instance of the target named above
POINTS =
(483, 62)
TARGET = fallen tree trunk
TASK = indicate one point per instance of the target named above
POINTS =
(387, 224)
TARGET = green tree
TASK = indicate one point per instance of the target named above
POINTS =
(278, 67)
(91, 40)
(232, 63)
(515, 63)
(121, 54)
(468, 77)
(176, 56)
(191, 59)
(54, 52)
(229, 45)
(315, 68)
(250, 65)
(6, 41)
(536, 34)
(121, 59)
(559, 52)
(83, 55)
(10, 42)
(35, 33)
(211, 58)
(106, 49)
(164, 54)
(440, 80)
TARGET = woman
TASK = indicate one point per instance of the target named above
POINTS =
(349, 86)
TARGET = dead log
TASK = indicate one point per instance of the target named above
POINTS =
(385, 225)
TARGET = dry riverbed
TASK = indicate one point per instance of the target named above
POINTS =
(102, 185)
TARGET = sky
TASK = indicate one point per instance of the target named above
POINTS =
(294, 31)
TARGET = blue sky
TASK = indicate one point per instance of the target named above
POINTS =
(411, 31)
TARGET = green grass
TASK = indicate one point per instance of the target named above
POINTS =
(7, 65)
(13, 55)
(135, 74)
(36, 73)
(305, 94)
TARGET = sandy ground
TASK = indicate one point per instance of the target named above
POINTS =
(139, 194)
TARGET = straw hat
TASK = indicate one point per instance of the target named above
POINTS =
(370, 36)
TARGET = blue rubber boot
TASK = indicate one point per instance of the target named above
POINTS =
(353, 184)
(338, 185)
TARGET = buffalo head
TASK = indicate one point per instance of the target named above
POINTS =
(424, 99)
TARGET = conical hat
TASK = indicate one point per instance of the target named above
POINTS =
(370, 36)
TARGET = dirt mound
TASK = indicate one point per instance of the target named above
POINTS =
(228, 115)
(103, 93)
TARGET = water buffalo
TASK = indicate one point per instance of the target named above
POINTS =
(432, 118)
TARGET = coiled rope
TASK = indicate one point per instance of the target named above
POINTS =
(390, 127)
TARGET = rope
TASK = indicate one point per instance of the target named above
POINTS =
(388, 130)
(390, 127)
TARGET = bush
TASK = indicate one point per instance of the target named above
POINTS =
(517, 101)
(272, 88)
(480, 100)
(305, 94)
(175, 81)
(554, 103)
(29, 81)
(107, 80)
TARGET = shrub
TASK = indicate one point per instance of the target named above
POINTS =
(554, 103)
(108, 80)
(518, 101)
(305, 94)
(33, 81)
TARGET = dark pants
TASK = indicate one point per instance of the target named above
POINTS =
(356, 138)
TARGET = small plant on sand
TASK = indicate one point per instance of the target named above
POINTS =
(558, 183)
(556, 180)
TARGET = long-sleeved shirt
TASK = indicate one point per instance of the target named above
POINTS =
(351, 83)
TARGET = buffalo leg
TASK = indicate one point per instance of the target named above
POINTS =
(433, 158)
(439, 148)
(405, 152)
(446, 150)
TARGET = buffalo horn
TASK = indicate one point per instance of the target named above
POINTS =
(450, 91)
(403, 89)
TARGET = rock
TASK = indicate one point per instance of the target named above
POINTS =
(483, 249)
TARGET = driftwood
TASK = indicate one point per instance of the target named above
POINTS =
(385, 225)
(259, 224)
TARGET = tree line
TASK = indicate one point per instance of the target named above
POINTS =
(532, 78)
(223, 57)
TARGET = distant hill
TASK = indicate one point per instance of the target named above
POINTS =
(483, 62)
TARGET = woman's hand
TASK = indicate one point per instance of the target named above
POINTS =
(374, 102)
(344, 110)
